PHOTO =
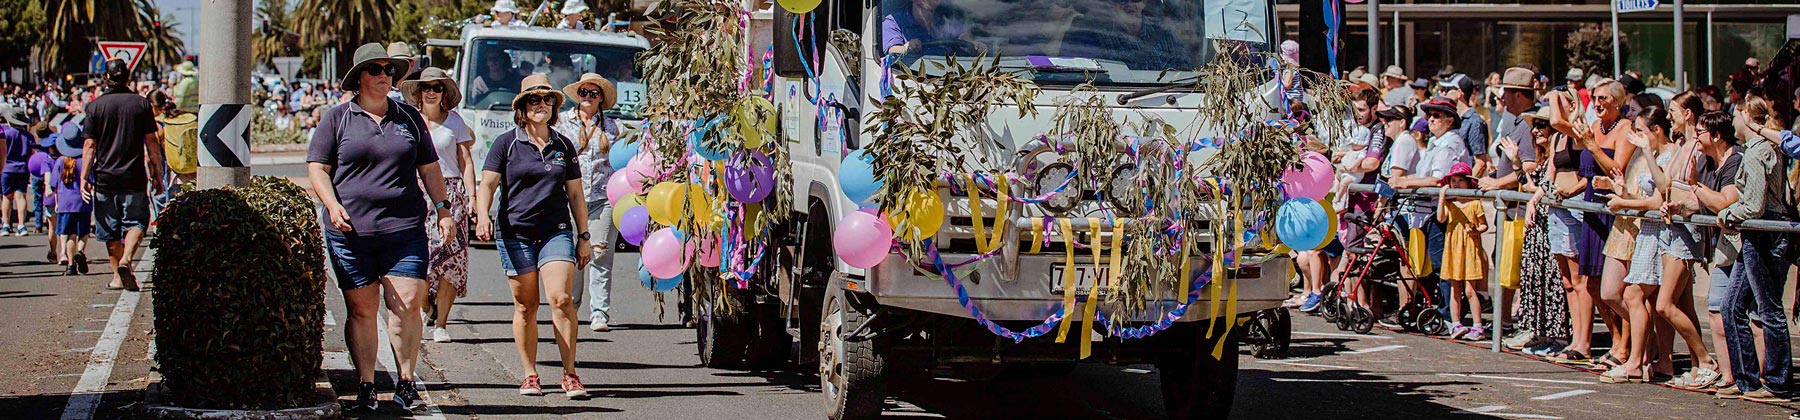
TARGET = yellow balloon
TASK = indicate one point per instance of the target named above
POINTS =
(665, 202)
(920, 215)
(625, 203)
(701, 204)
(1331, 224)
(799, 6)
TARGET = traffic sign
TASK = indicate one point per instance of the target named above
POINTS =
(288, 66)
(1628, 6)
(131, 52)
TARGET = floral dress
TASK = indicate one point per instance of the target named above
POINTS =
(1543, 306)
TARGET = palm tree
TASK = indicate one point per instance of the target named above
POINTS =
(164, 49)
(343, 24)
(276, 37)
(76, 24)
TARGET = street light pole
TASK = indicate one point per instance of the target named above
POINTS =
(225, 94)
(1374, 18)
(1680, 59)
(1615, 36)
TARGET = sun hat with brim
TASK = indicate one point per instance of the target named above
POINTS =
(506, 6)
(1538, 114)
(1419, 83)
(366, 55)
(609, 93)
(1394, 72)
(1439, 104)
(1370, 79)
(533, 85)
(69, 139)
(410, 88)
(15, 116)
(47, 142)
(1459, 169)
(1574, 75)
(574, 6)
(1517, 78)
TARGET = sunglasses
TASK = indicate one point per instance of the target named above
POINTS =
(389, 69)
(432, 87)
(539, 99)
(589, 93)
(1438, 116)
(1540, 124)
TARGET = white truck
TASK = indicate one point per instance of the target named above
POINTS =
(493, 59)
(860, 328)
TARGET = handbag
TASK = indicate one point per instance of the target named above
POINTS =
(1512, 250)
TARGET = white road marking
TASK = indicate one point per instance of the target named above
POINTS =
(1135, 370)
(1323, 334)
(1376, 349)
(329, 319)
(1494, 410)
(87, 331)
(1325, 380)
(1510, 378)
(386, 351)
(1290, 363)
(1564, 394)
(86, 395)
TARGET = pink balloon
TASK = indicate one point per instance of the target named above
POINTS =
(1313, 180)
(708, 253)
(862, 240)
(664, 254)
(618, 185)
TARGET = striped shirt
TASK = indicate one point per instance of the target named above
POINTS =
(1761, 184)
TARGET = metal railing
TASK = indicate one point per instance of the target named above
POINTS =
(1501, 199)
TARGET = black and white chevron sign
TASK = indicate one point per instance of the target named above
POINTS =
(224, 135)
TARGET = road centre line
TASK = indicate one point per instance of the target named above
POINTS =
(1494, 410)
(1375, 349)
(1510, 378)
(85, 398)
(1323, 334)
(1289, 363)
(1564, 394)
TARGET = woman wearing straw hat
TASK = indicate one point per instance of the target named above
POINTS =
(435, 94)
(593, 132)
(367, 160)
(534, 170)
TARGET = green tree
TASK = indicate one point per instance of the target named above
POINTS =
(74, 25)
(418, 20)
(344, 24)
(275, 36)
(1591, 49)
(23, 25)
(164, 49)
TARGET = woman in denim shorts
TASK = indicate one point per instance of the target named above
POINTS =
(535, 172)
(366, 162)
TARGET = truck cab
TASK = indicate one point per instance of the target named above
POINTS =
(832, 68)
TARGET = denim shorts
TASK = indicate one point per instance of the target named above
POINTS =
(75, 224)
(117, 213)
(524, 256)
(1677, 240)
(1715, 292)
(14, 182)
(362, 260)
(1562, 224)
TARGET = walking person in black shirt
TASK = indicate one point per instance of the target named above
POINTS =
(122, 147)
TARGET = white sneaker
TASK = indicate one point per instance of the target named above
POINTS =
(440, 335)
(599, 326)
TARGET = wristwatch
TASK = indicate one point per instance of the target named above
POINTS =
(442, 204)
(584, 236)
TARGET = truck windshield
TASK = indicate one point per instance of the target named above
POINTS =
(500, 64)
(1113, 42)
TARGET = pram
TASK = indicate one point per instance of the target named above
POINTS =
(1379, 255)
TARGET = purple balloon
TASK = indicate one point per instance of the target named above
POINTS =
(750, 182)
(635, 224)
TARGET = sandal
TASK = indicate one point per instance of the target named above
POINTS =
(1608, 362)
(1700, 378)
(1570, 357)
(1618, 375)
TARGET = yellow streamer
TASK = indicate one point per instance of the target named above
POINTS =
(1112, 277)
(975, 210)
(1187, 270)
(1001, 220)
(1230, 320)
(1068, 234)
(1037, 236)
(1088, 307)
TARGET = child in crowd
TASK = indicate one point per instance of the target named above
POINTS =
(74, 213)
(1465, 263)
(42, 159)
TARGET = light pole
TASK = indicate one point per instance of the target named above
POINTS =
(225, 94)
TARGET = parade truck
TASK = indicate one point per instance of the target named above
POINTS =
(830, 69)
(491, 61)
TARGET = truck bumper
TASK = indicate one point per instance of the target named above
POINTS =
(1034, 295)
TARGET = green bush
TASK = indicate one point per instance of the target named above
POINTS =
(239, 303)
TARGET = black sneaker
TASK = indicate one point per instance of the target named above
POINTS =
(1392, 322)
(80, 263)
(406, 394)
(365, 398)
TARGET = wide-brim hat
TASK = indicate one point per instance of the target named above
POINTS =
(574, 6)
(1459, 169)
(15, 115)
(504, 6)
(368, 54)
(536, 84)
(69, 139)
(1394, 72)
(609, 93)
(1440, 104)
(1539, 114)
(1517, 78)
(410, 88)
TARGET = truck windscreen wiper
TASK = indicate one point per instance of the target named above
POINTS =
(1187, 81)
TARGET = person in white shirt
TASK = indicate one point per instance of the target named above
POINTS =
(592, 132)
(505, 13)
(574, 14)
(435, 93)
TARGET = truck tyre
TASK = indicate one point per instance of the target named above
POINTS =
(724, 340)
(850, 372)
(1194, 384)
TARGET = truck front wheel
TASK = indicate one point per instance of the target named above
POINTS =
(850, 372)
(1195, 385)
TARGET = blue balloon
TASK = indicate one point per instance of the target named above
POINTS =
(656, 284)
(694, 141)
(621, 154)
(1301, 224)
(856, 176)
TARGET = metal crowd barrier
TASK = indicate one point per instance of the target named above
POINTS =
(1502, 200)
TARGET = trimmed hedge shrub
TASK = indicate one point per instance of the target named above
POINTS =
(239, 297)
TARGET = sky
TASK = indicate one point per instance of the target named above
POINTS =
(187, 16)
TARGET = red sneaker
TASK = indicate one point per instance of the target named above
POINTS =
(531, 386)
(572, 387)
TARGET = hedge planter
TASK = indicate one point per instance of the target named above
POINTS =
(239, 302)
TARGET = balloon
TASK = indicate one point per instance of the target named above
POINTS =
(695, 141)
(799, 6)
(1303, 224)
(752, 128)
(1331, 220)
(862, 240)
(665, 202)
(657, 284)
(633, 224)
(701, 205)
(707, 253)
(856, 176)
(750, 181)
(621, 154)
(1313, 180)
(618, 185)
(922, 213)
(664, 254)
(626, 202)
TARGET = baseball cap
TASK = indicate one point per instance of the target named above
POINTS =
(1458, 81)
(1574, 74)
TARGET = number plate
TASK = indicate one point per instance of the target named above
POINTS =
(1086, 275)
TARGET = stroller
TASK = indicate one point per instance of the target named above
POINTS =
(1379, 256)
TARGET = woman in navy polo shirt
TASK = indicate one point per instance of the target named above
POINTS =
(535, 171)
(366, 161)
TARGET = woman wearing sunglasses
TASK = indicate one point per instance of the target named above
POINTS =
(534, 170)
(593, 132)
(436, 95)
(367, 161)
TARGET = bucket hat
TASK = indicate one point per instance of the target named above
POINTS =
(574, 6)
(1517, 78)
(410, 88)
(609, 93)
(70, 139)
(536, 84)
(506, 6)
(1394, 72)
(1459, 169)
(372, 54)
